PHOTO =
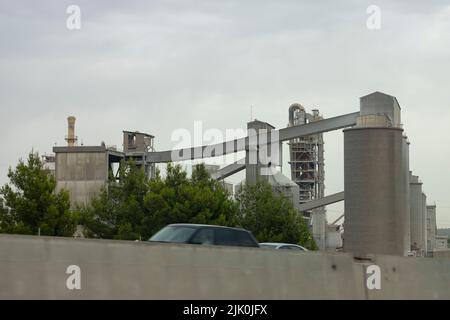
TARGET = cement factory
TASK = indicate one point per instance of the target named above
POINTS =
(386, 248)
(386, 210)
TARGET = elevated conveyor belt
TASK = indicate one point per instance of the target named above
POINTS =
(241, 144)
(317, 203)
(229, 170)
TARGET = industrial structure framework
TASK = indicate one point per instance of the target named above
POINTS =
(84, 170)
(306, 156)
(307, 164)
(385, 207)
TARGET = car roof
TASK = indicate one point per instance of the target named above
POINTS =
(279, 244)
(193, 225)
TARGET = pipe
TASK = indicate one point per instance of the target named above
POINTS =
(294, 107)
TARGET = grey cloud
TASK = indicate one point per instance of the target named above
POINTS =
(159, 65)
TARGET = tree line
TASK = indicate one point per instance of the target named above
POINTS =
(136, 207)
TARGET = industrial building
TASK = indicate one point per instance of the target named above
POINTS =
(84, 170)
(255, 170)
(375, 202)
(308, 170)
(385, 207)
(213, 169)
(441, 243)
(306, 156)
(48, 161)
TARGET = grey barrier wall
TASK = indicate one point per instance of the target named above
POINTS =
(441, 253)
(34, 267)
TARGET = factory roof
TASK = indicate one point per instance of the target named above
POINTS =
(263, 122)
(67, 149)
(279, 178)
(378, 93)
(86, 149)
(137, 132)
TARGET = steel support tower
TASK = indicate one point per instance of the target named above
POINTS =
(306, 156)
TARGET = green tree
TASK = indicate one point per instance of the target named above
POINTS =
(136, 207)
(271, 217)
(29, 203)
(179, 199)
(117, 212)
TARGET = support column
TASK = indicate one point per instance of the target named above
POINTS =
(257, 132)
(319, 227)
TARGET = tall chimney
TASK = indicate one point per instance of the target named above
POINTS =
(71, 138)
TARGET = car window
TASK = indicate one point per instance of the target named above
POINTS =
(203, 236)
(244, 239)
(270, 246)
(290, 247)
(225, 237)
(179, 234)
(295, 248)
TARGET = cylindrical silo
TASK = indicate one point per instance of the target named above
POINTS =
(405, 221)
(424, 223)
(416, 208)
(373, 172)
(431, 228)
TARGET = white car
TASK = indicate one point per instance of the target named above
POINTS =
(284, 246)
(411, 254)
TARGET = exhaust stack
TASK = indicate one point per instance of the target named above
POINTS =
(71, 138)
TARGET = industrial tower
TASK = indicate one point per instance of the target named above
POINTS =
(306, 156)
(307, 170)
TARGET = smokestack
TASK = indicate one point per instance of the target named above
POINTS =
(71, 138)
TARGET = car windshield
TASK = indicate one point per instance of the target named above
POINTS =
(179, 234)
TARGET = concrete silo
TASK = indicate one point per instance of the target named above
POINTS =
(405, 221)
(373, 187)
(417, 216)
(431, 228)
(424, 222)
(375, 179)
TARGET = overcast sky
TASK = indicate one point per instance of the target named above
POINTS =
(155, 66)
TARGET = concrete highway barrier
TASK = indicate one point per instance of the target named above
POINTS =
(34, 267)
